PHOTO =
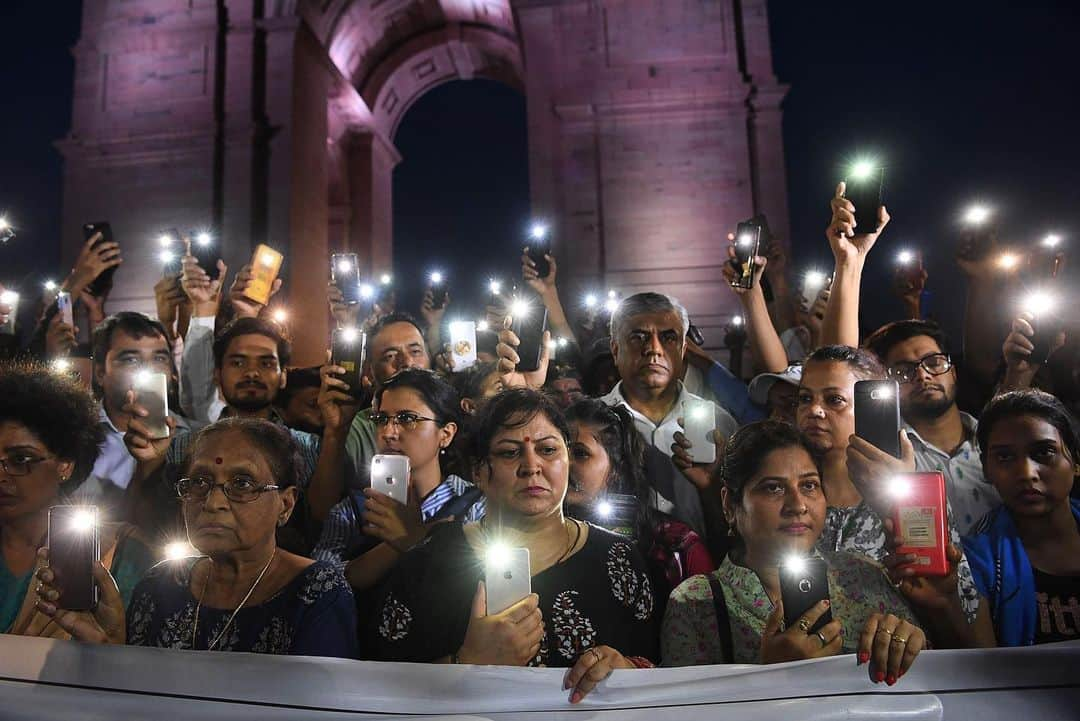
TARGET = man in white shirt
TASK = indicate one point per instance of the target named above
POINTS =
(648, 341)
(916, 355)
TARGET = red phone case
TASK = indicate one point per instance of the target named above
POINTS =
(919, 518)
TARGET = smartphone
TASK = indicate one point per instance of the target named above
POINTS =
(865, 193)
(539, 246)
(616, 512)
(1045, 263)
(813, 283)
(804, 582)
(103, 283)
(390, 476)
(265, 266)
(152, 390)
(348, 347)
(66, 310)
(345, 274)
(747, 247)
(694, 336)
(877, 414)
(699, 420)
(202, 248)
(9, 298)
(463, 344)
(73, 551)
(1047, 325)
(507, 579)
(438, 293)
(919, 518)
(529, 327)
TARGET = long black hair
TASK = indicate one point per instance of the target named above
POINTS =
(1029, 402)
(441, 398)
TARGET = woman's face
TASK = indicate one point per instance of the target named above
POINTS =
(22, 495)
(782, 510)
(218, 526)
(590, 467)
(526, 472)
(420, 443)
(825, 410)
(1029, 465)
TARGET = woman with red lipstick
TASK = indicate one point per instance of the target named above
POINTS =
(592, 606)
(1026, 554)
(774, 501)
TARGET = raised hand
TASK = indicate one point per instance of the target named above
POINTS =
(731, 275)
(92, 262)
(168, 297)
(336, 405)
(849, 243)
(543, 286)
(509, 359)
(242, 306)
(59, 338)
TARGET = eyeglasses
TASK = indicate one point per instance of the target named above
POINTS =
(238, 490)
(406, 419)
(22, 466)
(935, 364)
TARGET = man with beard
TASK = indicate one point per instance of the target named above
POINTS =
(250, 356)
(916, 355)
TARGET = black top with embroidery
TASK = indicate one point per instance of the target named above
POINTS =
(599, 596)
(1057, 601)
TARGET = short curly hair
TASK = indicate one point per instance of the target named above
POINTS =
(57, 410)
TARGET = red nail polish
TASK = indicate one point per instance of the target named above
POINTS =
(879, 676)
(863, 657)
(902, 672)
(890, 679)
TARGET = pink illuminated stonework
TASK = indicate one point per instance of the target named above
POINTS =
(654, 126)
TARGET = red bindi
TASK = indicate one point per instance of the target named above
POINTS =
(219, 460)
(528, 440)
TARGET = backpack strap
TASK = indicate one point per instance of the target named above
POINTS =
(723, 623)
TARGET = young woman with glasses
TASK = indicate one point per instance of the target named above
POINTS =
(49, 438)
(242, 592)
(416, 416)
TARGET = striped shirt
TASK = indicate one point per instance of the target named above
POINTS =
(343, 537)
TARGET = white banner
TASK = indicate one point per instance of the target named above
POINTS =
(47, 679)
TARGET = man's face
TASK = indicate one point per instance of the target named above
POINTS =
(782, 397)
(566, 391)
(302, 411)
(251, 374)
(649, 352)
(126, 356)
(396, 347)
(926, 395)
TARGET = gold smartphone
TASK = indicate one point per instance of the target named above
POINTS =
(265, 265)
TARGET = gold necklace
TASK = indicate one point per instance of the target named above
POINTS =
(202, 594)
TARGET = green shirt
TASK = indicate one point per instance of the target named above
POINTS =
(359, 449)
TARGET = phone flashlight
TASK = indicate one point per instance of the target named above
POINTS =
(746, 239)
(436, 278)
(1008, 261)
(604, 509)
(497, 555)
(863, 168)
(553, 344)
(562, 342)
(142, 378)
(344, 265)
(268, 259)
(166, 257)
(1051, 240)
(9, 297)
(83, 520)
(904, 257)
(4, 224)
(519, 308)
(50, 285)
(899, 487)
(481, 325)
(700, 412)
(164, 240)
(349, 335)
(538, 231)
(203, 238)
(1039, 302)
(386, 279)
(61, 366)
(590, 300)
(494, 287)
(178, 550)
(6, 231)
(815, 279)
(976, 215)
(280, 315)
(737, 320)
(794, 564)
(367, 291)
(882, 393)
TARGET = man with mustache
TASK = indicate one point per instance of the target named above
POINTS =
(916, 355)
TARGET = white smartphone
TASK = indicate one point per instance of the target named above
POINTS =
(390, 476)
(152, 390)
(699, 421)
(463, 344)
(63, 304)
(507, 578)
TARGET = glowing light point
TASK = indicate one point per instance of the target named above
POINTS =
(899, 487)
(552, 344)
(481, 325)
(976, 214)
(611, 305)
(562, 342)
(520, 307)
(737, 321)
(604, 509)
(83, 520)
(61, 365)
(591, 300)
(862, 169)
(267, 259)
(1039, 302)
(795, 564)
(9, 297)
(178, 550)
(143, 378)
(350, 335)
(1052, 240)
(50, 285)
(497, 556)
(904, 257)
(436, 278)
(344, 266)
(745, 239)
(494, 286)
(815, 279)
(280, 315)
(166, 257)
(4, 224)
(204, 239)
(164, 240)
(386, 279)
(538, 231)
(1008, 261)
(367, 291)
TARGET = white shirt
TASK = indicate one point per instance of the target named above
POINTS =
(662, 434)
(970, 494)
(198, 392)
(114, 465)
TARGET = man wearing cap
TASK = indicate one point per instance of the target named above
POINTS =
(777, 392)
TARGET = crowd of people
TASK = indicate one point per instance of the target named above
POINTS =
(643, 548)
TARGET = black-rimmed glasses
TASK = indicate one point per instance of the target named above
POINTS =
(239, 490)
(405, 419)
(935, 364)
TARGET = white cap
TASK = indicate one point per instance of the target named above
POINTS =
(762, 384)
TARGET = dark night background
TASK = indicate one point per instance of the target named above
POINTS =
(963, 101)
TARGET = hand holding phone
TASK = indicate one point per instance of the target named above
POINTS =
(74, 548)
(390, 476)
(538, 247)
(152, 393)
(864, 186)
(699, 422)
(919, 519)
(265, 266)
(348, 349)
(204, 252)
(345, 274)
(65, 308)
(528, 323)
(747, 248)
(463, 344)
(507, 578)
(804, 582)
(102, 284)
(877, 414)
(437, 286)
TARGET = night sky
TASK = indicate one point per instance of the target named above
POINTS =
(963, 101)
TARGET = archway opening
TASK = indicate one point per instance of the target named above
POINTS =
(461, 192)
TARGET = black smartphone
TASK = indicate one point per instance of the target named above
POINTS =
(747, 247)
(864, 189)
(437, 283)
(205, 251)
(877, 414)
(345, 274)
(539, 246)
(529, 321)
(1047, 324)
(694, 336)
(73, 551)
(347, 349)
(804, 582)
(103, 283)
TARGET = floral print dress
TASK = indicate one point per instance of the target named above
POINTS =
(314, 615)
(858, 588)
(599, 596)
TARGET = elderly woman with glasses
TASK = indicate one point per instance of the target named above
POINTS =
(242, 593)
